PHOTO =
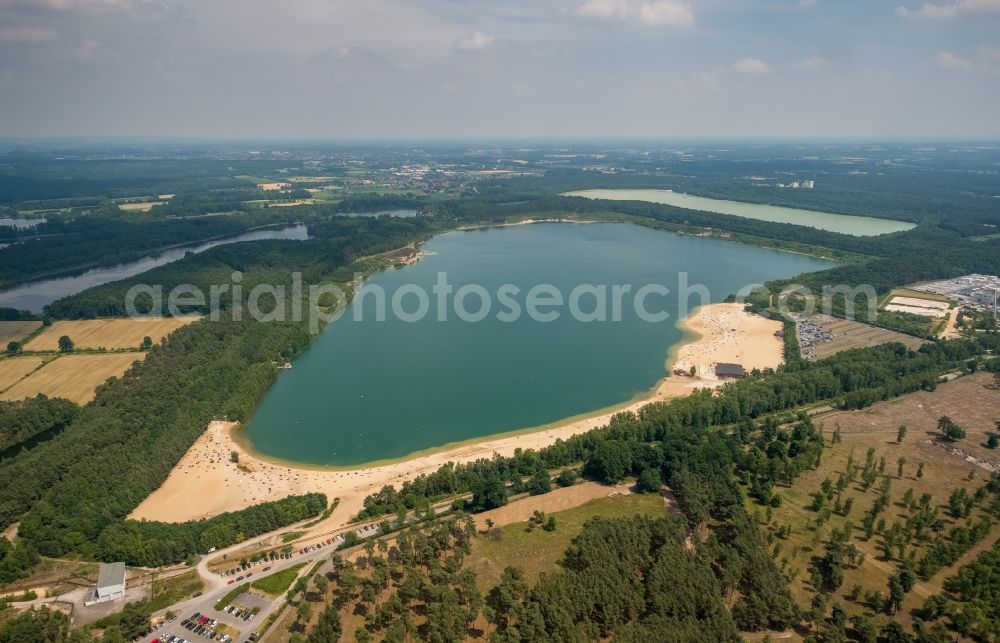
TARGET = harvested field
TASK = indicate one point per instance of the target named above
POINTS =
(106, 333)
(15, 331)
(73, 377)
(822, 336)
(13, 369)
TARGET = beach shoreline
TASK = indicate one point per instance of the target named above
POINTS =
(207, 482)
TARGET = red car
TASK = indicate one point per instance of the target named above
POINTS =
(231, 581)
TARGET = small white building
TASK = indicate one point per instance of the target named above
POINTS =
(110, 584)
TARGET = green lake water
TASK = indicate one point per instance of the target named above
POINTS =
(842, 223)
(374, 390)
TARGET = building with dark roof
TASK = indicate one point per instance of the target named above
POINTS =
(724, 369)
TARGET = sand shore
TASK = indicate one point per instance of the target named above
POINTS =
(206, 482)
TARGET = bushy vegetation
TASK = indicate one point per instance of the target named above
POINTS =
(23, 420)
(971, 603)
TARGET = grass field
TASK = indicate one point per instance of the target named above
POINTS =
(73, 377)
(14, 369)
(538, 550)
(175, 589)
(278, 583)
(106, 333)
(15, 331)
(970, 403)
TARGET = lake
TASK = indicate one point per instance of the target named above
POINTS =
(842, 223)
(374, 390)
(35, 295)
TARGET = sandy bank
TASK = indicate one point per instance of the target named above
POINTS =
(205, 482)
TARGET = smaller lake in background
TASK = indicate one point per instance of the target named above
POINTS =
(842, 223)
(35, 295)
(403, 214)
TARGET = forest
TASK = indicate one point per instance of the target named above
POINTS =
(20, 421)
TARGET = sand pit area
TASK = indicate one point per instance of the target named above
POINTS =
(206, 482)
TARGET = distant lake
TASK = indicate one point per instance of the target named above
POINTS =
(403, 214)
(842, 223)
(35, 295)
(372, 390)
(7, 222)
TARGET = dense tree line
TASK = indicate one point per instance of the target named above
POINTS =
(971, 603)
(630, 579)
(20, 421)
(16, 560)
(152, 544)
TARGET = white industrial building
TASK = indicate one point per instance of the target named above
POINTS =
(110, 584)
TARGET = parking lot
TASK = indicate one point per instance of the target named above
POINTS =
(198, 627)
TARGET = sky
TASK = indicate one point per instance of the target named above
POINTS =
(518, 69)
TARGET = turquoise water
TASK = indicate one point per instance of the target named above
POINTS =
(842, 223)
(372, 390)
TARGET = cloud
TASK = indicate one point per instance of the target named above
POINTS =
(752, 66)
(27, 35)
(989, 59)
(658, 13)
(950, 9)
(948, 60)
(811, 64)
(86, 5)
(476, 41)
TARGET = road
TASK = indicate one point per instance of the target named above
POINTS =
(217, 585)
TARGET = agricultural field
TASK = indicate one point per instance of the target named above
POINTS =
(73, 377)
(799, 530)
(822, 336)
(14, 369)
(15, 331)
(112, 334)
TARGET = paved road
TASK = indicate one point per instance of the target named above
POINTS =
(217, 586)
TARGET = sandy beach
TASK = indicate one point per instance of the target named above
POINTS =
(206, 482)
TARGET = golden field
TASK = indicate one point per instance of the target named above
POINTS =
(111, 334)
(15, 331)
(73, 377)
(13, 369)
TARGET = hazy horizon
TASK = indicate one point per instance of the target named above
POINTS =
(438, 70)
